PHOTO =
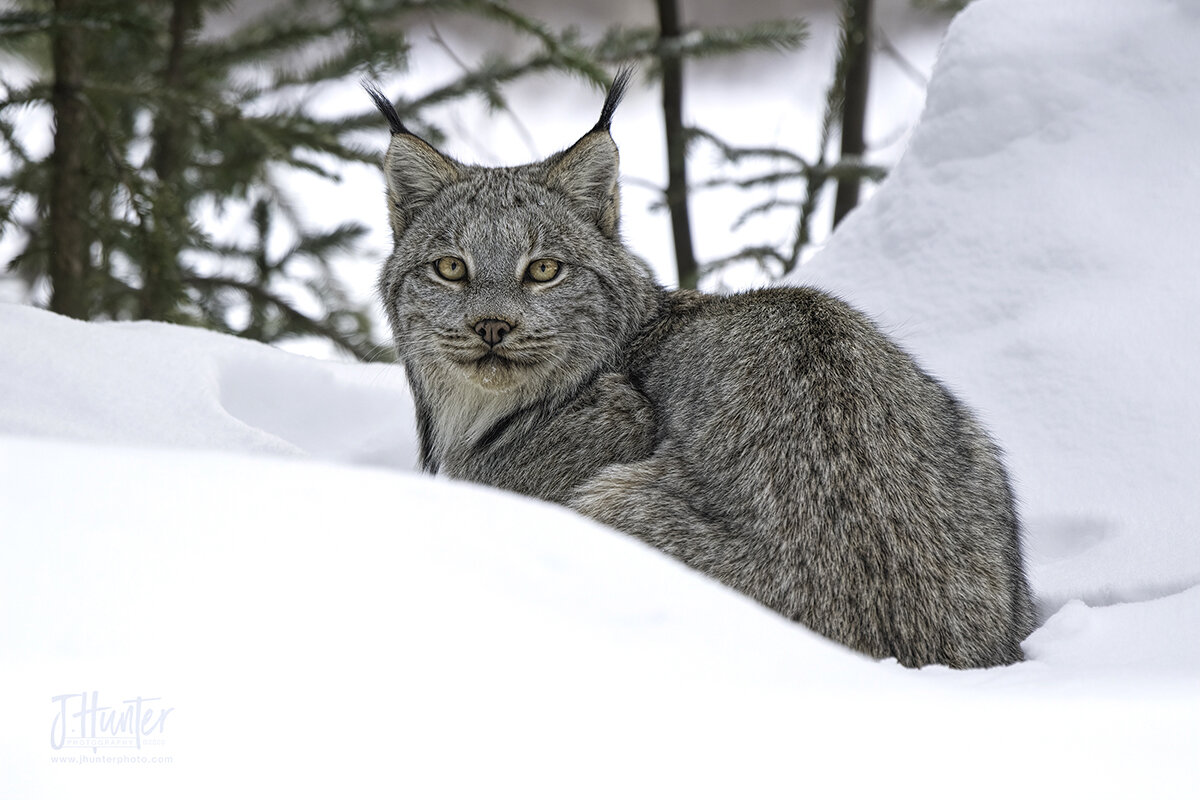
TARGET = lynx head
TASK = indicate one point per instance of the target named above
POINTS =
(511, 282)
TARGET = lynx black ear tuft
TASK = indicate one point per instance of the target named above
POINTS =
(613, 99)
(385, 107)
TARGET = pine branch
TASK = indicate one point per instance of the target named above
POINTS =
(276, 35)
(761, 209)
(888, 48)
(619, 44)
(715, 42)
(15, 24)
(734, 154)
(96, 21)
(17, 151)
(495, 98)
(761, 255)
(299, 323)
(559, 48)
(767, 179)
(320, 246)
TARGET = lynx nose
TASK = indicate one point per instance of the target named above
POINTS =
(492, 331)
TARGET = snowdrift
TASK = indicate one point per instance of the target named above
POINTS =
(1036, 248)
(236, 535)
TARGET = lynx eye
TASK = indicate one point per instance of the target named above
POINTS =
(450, 268)
(543, 270)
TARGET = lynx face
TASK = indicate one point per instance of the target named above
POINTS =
(501, 282)
(506, 287)
(510, 279)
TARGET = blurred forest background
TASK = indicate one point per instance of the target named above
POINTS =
(161, 160)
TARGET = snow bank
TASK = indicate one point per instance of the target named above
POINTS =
(321, 630)
(1036, 247)
(149, 383)
(235, 535)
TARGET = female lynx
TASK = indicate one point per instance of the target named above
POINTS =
(775, 440)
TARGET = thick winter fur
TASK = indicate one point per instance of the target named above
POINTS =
(775, 440)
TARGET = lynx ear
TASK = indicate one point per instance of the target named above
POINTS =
(415, 173)
(587, 174)
(587, 171)
(414, 170)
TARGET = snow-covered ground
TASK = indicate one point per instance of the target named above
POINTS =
(237, 536)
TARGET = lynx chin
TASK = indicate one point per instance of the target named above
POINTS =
(775, 440)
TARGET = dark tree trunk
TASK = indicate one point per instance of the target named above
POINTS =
(68, 201)
(854, 109)
(163, 286)
(677, 186)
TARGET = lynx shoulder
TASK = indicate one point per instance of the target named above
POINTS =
(775, 439)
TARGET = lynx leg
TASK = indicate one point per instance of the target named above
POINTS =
(646, 499)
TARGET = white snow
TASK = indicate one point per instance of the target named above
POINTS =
(1036, 247)
(239, 532)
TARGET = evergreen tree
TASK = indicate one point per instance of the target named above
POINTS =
(670, 32)
(854, 75)
(156, 123)
(798, 182)
(151, 126)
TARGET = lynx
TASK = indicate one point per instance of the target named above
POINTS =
(775, 440)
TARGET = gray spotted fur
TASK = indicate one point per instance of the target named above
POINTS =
(775, 440)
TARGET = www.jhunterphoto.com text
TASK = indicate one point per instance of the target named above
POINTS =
(83, 759)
